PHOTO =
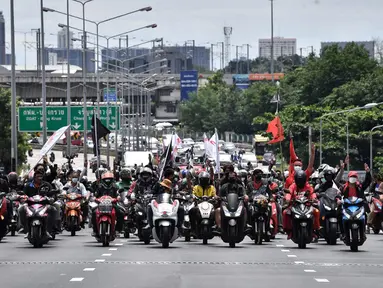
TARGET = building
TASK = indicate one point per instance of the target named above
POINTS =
(368, 45)
(57, 56)
(178, 58)
(62, 38)
(8, 59)
(282, 47)
(2, 39)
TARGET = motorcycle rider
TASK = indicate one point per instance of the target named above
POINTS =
(204, 188)
(126, 179)
(74, 186)
(144, 184)
(299, 187)
(166, 186)
(32, 189)
(13, 182)
(107, 187)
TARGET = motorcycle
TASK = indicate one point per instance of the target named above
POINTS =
(273, 228)
(73, 214)
(302, 218)
(377, 222)
(128, 217)
(188, 204)
(16, 199)
(165, 219)
(3, 215)
(106, 219)
(259, 211)
(354, 222)
(205, 218)
(232, 219)
(329, 220)
(139, 216)
(37, 215)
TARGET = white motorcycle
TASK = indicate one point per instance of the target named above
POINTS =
(205, 219)
(165, 219)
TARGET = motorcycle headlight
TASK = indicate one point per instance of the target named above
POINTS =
(126, 201)
(43, 211)
(239, 211)
(346, 214)
(327, 207)
(226, 211)
(360, 214)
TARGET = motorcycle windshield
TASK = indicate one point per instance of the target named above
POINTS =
(164, 198)
(331, 193)
(232, 202)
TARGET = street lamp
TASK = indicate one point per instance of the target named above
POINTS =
(367, 106)
(45, 9)
(373, 128)
(13, 92)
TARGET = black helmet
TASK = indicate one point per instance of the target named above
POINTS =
(13, 178)
(204, 179)
(300, 178)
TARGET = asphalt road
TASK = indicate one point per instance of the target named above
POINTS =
(82, 262)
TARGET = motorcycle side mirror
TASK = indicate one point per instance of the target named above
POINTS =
(30, 153)
(52, 158)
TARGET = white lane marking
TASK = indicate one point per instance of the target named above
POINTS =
(107, 255)
(76, 279)
(122, 240)
(280, 245)
(284, 250)
(118, 244)
(112, 249)
(62, 274)
(89, 269)
(99, 260)
(310, 271)
(299, 262)
(321, 280)
(292, 256)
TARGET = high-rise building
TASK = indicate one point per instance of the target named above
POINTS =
(2, 39)
(282, 47)
(368, 45)
(62, 38)
(59, 56)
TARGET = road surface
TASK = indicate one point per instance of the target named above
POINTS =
(82, 262)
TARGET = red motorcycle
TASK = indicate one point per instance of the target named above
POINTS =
(16, 199)
(3, 215)
(106, 220)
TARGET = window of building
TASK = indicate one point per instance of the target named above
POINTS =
(171, 108)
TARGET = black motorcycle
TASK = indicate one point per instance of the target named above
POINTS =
(260, 218)
(302, 218)
(233, 219)
(329, 220)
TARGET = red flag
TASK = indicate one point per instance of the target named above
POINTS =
(275, 128)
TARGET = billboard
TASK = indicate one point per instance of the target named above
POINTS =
(241, 81)
(265, 76)
(188, 83)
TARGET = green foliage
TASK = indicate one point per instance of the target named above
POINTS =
(339, 79)
(5, 132)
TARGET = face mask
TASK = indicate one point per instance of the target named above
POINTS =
(258, 177)
(323, 180)
(297, 168)
(352, 180)
(74, 180)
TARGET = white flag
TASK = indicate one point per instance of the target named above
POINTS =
(53, 140)
(213, 148)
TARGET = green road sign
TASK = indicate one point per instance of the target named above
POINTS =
(30, 118)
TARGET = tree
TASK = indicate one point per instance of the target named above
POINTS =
(5, 132)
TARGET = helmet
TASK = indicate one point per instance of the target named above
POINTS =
(146, 174)
(107, 179)
(329, 173)
(13, 178)
(125, 174)
(204, 179)
(300, 178)
(322, 167)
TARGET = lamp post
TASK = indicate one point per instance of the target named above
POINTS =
(373, 128)
(13, 92)
(367, 106)
(272, 41)
(43, 80)
(68, 100)
(85, 108)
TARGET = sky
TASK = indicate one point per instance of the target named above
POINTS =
(309, 21)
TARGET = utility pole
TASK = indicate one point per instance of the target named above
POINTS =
(248, 58)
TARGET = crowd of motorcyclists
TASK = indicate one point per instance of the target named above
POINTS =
(255, 202)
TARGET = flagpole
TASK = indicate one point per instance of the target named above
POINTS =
(166, 157)
(280, 143)
(218, 164)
